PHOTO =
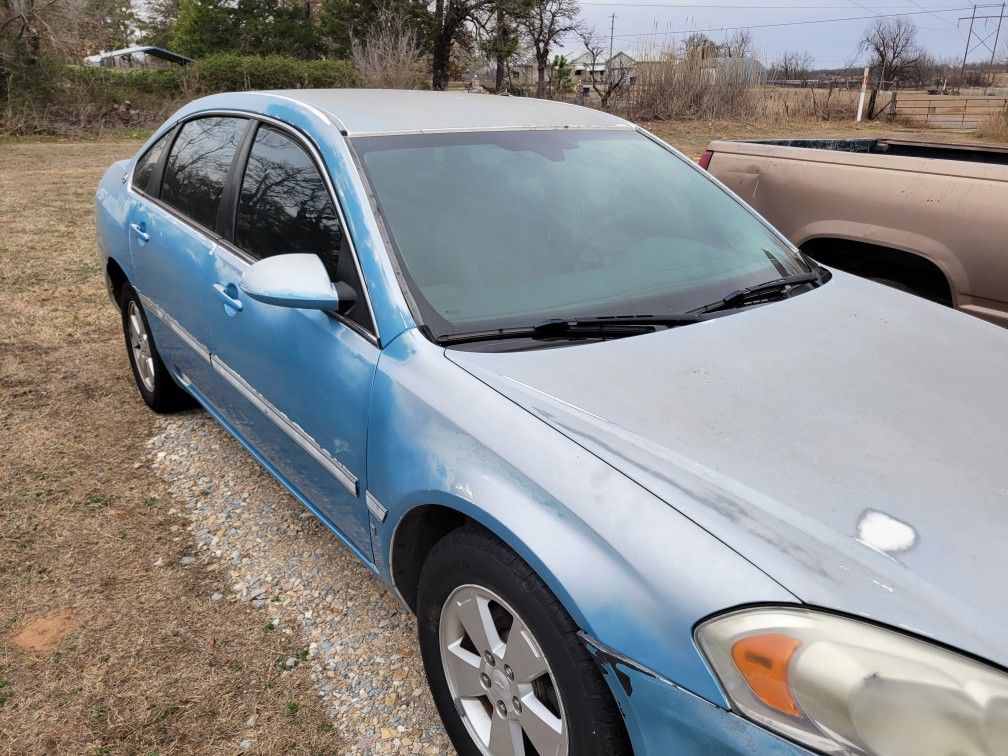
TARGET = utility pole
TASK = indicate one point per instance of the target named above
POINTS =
(612, 30)
(997, 36)
(969, 36)
(982, 40)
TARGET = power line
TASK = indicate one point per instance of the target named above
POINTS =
(721, 6)
(932, 12)
(973, 18)
(790, 23)
(864, 7)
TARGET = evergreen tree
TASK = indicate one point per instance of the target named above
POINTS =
(204, 27)
(339, 19)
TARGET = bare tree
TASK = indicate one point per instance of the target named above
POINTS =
(26, 26)
(933, 74)
(699, 47)
(390, 55)
(737, 45)
(793, 65)
(893, 50)
(546, 22)
(614, 78)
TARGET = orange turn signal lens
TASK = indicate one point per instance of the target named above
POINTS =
(763, 662)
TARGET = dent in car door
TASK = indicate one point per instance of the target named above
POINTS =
(299, 380)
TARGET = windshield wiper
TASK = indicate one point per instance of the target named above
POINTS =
(759, 292)
(605, 326)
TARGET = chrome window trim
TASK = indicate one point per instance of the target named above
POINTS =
(288, 426)
(480, 129)
(371, 334)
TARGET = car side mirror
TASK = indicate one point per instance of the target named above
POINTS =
(297, 280)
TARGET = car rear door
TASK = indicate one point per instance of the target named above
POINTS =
(179, 185)
(298, 381)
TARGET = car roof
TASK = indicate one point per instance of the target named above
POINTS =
(392, 111)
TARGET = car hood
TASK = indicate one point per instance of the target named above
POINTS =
(850, 442)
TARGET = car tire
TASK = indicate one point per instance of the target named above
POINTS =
(155, 383)
(473, 590)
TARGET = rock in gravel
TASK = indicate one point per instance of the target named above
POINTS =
(339, 619)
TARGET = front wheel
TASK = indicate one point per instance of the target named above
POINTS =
(509, 674)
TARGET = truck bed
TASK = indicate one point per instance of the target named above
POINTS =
(898, 148)
(926, 217)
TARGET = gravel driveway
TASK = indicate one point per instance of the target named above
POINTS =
(267, 549)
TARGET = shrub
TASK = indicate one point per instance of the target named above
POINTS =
(672, 87)
(229, 73)
(995, 126)
(55, 98)
(390, 54)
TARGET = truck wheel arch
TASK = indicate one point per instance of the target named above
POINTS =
(919, 273)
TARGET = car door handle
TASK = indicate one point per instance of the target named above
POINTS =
(140, 229)
(224, 296)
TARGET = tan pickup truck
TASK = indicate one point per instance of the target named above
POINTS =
(928, 218)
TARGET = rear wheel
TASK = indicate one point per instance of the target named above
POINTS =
(155, 383)
(509, 674)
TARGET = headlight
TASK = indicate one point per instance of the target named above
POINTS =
(848, 687)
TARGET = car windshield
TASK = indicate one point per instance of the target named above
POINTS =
(505, 229)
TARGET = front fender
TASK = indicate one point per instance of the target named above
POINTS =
(633, 573)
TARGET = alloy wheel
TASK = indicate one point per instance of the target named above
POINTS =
(499, 677)
(140, 345)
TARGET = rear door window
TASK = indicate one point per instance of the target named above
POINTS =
(198, 166)
(145, 166)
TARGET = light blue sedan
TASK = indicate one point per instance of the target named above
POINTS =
(651, 480)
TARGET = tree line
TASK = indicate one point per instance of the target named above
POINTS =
(404, 42)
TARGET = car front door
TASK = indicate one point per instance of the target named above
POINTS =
(298, 381)
(179, 185)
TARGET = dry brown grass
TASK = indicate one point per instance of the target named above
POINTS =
(139, 660)
(995, 127)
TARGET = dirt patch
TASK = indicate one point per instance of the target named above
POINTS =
(45, 633)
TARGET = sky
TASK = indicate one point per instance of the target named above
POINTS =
(782, 25)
